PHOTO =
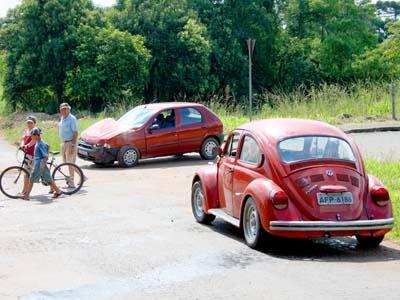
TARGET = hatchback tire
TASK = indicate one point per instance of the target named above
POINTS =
(253, 231)
(207, 150)
(128, 157)
(198, 205)
(369, 242)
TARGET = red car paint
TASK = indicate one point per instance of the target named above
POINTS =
(228, 184)
(182, 133)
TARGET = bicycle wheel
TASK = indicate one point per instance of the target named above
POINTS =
(69, 178)
(12, 181)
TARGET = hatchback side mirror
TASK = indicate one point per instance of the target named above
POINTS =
(153, 127)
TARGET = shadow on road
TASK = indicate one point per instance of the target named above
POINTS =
(154, 163)
(343, 249)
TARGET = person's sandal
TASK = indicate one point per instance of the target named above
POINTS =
(52, 192)
(26, 198)
(57, 194)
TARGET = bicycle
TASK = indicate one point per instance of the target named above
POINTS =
(12, 178)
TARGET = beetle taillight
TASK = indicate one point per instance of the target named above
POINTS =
(380, 195)
(279, 200)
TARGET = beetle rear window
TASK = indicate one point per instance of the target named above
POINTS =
(314, 147)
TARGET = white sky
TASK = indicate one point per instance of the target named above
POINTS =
(7, 4)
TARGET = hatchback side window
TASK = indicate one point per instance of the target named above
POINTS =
(250, 153)
(165, 119)
(233, 145)
(190, 115)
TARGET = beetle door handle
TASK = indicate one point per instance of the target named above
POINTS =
(229, 170)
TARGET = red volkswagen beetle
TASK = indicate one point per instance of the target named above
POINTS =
(293, 178)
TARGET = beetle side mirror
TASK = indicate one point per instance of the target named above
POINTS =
(217, 151)
(153, 127)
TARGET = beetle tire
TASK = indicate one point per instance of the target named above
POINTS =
(128, 157)
(197, 207)
(205, 151)
(253, 231)
(369, 242)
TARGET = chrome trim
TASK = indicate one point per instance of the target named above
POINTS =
(332, 225)
(219, 213)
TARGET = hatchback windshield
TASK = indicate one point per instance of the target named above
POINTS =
(314, 147)
(136, 117)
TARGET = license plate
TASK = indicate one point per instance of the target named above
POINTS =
(334, 198)
(82, 152)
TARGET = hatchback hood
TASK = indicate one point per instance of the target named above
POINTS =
(103, 130)
(305, 185)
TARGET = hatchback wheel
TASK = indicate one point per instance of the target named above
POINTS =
(208, 148)
(198, 205)
(252, 228)
(128, 157)
(369, 242)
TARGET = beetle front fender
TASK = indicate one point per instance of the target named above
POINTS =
(260, 190)
(208, 178)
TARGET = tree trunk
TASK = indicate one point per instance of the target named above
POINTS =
(59, 91)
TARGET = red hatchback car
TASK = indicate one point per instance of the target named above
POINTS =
(152, 130)
(293, 178)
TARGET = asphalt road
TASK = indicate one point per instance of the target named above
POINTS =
(380, 145)
(129, 234)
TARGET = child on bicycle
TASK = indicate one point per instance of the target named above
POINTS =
(40, 169)
(28, 146)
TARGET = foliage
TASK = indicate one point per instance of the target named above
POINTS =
(111, 66)
(382, 62)
(189, 49)
(39, 37)
(178, 43)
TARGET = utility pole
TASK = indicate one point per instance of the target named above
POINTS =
(392, 92)
(250, 46)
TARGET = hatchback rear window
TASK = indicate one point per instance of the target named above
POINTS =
(314, 147)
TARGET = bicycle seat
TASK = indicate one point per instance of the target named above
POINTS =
(54, 152)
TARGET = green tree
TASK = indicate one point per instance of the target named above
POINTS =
(39, 38)
(178, 43)
(111, 67)
(335, 32)
(382, 62)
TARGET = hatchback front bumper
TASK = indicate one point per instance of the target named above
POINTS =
(332, 225)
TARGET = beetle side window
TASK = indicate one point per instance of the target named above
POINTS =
(250, 152)
(233, 145)
(190, 115)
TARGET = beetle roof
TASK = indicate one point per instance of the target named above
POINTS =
(170, 105)
(278, 129)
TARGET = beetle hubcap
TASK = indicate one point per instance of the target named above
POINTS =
(251, 225)
(209, 148)
(198, 202)
(130, 157)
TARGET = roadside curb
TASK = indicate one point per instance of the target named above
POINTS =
(372, 129)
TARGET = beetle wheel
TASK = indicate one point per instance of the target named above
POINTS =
(369, 242)
(198, 205)
(252, 228)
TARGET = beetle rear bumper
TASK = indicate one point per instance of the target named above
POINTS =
(332, 225)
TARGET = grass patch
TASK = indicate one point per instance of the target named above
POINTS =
(333, 104)
(389, 174)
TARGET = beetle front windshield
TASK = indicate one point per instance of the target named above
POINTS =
(314, 147)
(136, 117)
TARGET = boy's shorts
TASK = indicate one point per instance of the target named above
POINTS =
(44, 174)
